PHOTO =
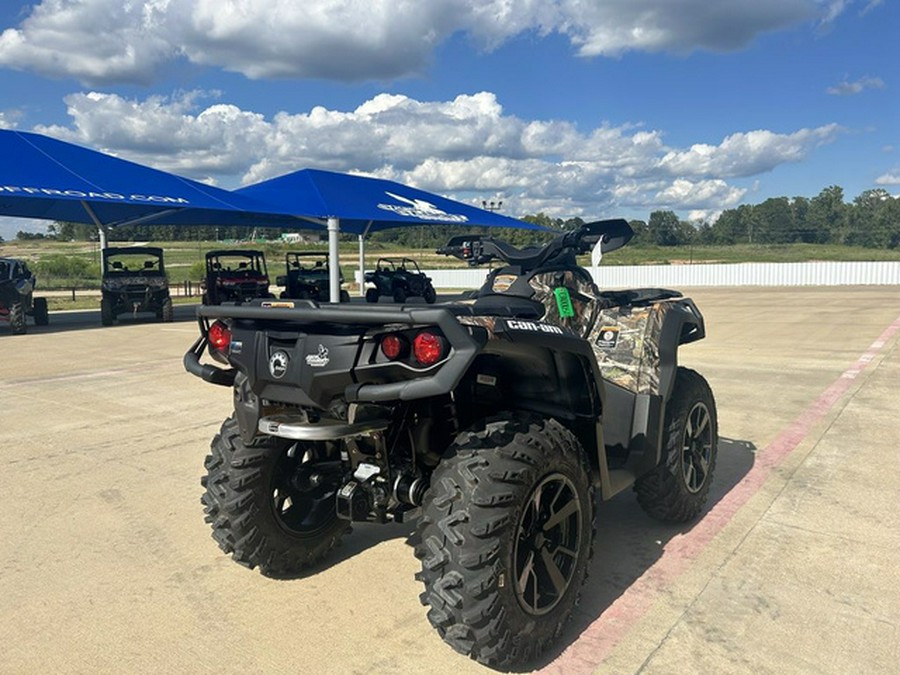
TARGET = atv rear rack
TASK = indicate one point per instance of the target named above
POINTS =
(309, 313)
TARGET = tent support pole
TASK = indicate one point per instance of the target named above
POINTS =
(334, 260)
(101, 229)
(362, 265)
(362, 260)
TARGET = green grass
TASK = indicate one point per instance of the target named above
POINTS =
(184, 258)
(91, 300)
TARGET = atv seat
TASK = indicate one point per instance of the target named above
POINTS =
(499, 305)
(638, 297)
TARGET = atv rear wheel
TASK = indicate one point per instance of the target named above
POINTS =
(41, 314)
(400, 295)
(372, 295)
(17, 321)
(271, 503)
(506, 538)
(677, 489)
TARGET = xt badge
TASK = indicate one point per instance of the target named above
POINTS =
(278, 364)
(319, 359)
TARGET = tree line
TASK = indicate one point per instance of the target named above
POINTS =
(871, 220)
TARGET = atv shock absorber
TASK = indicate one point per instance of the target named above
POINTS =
(409, 489)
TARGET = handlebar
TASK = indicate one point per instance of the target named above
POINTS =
(478, 249)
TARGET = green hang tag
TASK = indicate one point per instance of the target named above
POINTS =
(564, 302)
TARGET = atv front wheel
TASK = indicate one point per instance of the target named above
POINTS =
(344, 296)
(677, 489)
(166, 313)
(430, 295)
(106, 312)
(271, 503)
(506, 538)
(400, 295)
(17, 321)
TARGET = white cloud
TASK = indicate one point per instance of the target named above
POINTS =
(710, 194)
(890, 178)
(165, 133)
(748, 154)
(616, 26)
(847, 88)
(109, 41)
(467, 147)
(95, 41)
(872, 4)
(9, 119)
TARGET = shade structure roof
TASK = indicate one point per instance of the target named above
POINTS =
(361, 205)
(364, 204)
(42, 177)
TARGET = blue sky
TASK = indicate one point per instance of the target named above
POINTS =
(592, 108)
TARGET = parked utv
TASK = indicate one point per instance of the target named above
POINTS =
(399, 278)
(134, 280)
(235, 276)
(307, 277)
(17, 299)
(498, 421)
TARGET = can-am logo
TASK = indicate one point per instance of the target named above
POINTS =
(278, 364)
(419, 208)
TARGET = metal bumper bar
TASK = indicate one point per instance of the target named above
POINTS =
(326, 429)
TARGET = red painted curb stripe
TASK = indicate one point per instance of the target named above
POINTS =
(598, 640)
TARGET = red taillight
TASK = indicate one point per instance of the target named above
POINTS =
(428, 348)
(393, 346)
(219, 336)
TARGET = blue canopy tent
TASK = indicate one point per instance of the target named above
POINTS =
(44, 178)
(362, 205)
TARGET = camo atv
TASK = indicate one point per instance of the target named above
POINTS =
(17, 299)
(134, 280)
(498, 421)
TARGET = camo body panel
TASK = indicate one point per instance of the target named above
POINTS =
(585, 303)
(633, 361)
(124, 282)
(489, 323)
(625, 341)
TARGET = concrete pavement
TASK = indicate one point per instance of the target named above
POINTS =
(107, 565)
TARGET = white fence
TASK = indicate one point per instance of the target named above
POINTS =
(743, 274)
